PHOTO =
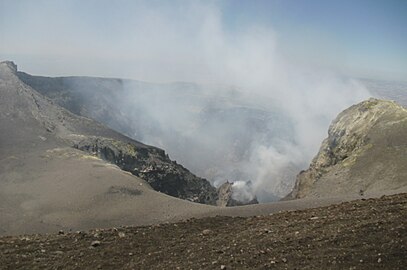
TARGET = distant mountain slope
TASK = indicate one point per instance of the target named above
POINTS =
(365, 153)
(391, 90)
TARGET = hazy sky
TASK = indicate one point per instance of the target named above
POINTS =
(181, 40)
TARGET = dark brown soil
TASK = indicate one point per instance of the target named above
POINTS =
(363, 234)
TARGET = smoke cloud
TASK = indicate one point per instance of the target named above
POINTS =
(252, 115)
(259, 120)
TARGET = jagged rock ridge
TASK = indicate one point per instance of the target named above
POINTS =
(153, 166)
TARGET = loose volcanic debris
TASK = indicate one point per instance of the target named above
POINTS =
(363, 234)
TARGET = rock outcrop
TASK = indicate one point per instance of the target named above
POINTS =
(225, 196)
(152, 165)
(365, 153)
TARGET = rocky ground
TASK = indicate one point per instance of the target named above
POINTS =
(363, 234)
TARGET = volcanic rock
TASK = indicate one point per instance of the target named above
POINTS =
(365, 154)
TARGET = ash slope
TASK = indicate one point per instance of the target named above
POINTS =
(365, 153)
(46, 184)
(151, 163)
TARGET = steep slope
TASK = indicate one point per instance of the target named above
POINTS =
(176, 181)
(365, 153)
(46, 184)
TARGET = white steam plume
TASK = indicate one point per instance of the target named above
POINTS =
(294, 103)
(253, 116)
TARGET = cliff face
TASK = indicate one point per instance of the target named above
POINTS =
(153, 166)
(365, 153)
